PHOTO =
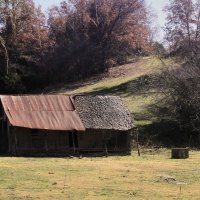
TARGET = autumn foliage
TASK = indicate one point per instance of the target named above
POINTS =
(75, 40)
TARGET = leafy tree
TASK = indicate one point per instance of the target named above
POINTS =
(181, 86)
(88, 33)
(22, 27)
(79, 39)
(183, 26)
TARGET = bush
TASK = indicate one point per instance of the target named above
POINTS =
(182, 89)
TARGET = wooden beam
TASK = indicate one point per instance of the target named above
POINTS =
(74, 147)
(46, 143)
(9, 137)
(16, 148)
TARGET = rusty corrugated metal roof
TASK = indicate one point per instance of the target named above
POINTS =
(51, 112)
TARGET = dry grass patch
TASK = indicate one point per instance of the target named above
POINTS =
(128, 177)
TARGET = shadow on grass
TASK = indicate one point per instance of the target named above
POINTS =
(141, 85)
(169, 134)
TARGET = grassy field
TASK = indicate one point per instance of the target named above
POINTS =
(120, 178)
(126, 177)
(127, 81)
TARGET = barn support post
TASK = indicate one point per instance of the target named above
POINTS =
(2, 129)
(129, 140)
(106, 150)
(4, 132)
(74, 147)
(116, 141)
(105, 145)
(137, 140)
(9, 138)
(15, 146)
(46, 143)
(77, 140)
(2, 119)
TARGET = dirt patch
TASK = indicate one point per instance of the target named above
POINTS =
(127, 70)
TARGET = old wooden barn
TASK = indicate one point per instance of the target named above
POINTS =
(61, 125)
(107, 121)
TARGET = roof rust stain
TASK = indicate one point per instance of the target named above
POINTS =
(50, 112)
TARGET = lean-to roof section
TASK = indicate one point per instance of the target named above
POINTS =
(103, 112)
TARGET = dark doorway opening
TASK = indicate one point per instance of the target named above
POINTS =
(37, 141)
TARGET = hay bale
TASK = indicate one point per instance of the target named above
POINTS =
(180, 153)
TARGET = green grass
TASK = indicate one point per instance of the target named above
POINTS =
(127, 177)
(118, 178)
(130, 87)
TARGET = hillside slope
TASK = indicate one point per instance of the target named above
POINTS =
(129, 81)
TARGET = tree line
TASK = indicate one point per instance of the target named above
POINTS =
(181, 86)
(80, 38)
(77, 39)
